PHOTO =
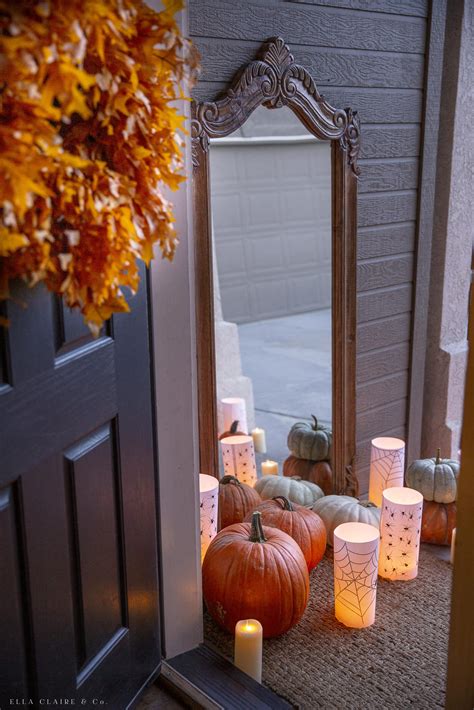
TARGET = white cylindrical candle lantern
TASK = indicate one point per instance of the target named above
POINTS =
(356, 548)
(453, 545)
(269, 468)
(400, 528)
(239, 458)
(259, 440)
(387, 465)
(234, 410)
(209, 501)
(248, 648)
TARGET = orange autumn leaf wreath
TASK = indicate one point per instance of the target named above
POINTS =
(88, 141)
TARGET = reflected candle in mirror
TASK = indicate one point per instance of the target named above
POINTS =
(269, 468)
(400, 529)
(387, 466)
(248, 648)
(234, 410)
(259, 441)
(209, 501)
(238, 456)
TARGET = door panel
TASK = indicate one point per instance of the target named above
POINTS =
(79, 607)
(96, 542)
(48, 577)
(70, 329)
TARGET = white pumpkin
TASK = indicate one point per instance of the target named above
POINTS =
(335, 510)
(293, 488)
(436, 479)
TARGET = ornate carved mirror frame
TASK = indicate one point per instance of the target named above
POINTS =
(274, 80)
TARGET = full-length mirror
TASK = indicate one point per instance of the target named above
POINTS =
(275, 187)
(272, 244)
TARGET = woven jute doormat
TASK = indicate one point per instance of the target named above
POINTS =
(398, 663)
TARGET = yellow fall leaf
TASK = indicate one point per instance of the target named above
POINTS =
(11, 241)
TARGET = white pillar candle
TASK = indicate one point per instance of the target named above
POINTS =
(234, 410)
(269, 468)
(453, 545)
(400, 528)
(259, 440)
(209, 501)
(356, 548)
(239, 458)
(248, 648)
(387, 465)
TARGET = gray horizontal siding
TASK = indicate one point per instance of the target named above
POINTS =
(389, 174)
(383, 241)
(415, 8)
(381, 362)
(367, 54)
(384, 302)
(369, 69)
(383, 332)
(308, 25)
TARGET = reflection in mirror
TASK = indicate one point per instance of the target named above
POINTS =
(272, 243)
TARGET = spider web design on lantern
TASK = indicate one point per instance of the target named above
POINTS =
(239, 461)
(400, 540)
(389, 465)
(209, 516)
(356, 581)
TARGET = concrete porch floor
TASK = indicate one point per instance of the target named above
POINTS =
(289, 362)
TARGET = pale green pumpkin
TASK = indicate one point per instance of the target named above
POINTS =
(435, 479)
(335, 510)
(310, 441)
(296, 490)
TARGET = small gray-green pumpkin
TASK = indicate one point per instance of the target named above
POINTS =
(310, 441)
(435, 479)
(335, 510)
(296, 490)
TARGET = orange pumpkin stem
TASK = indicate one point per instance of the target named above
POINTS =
(285, 503)
(256, 528)
(230, 479)
(234, 426)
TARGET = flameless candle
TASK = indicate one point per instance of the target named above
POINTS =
(356, 547)
(234, 410)
(269, 468)
(259, 441)
(248, 648)
(387, 464)
(453, 545)
(400, 528)
(238, 456)
(209, 500)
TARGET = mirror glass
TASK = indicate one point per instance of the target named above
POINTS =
(271, 226)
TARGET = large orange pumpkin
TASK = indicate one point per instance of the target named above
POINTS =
(318, 472)
(255, 572)
(302, 524)
(438, 522)
(236, 500)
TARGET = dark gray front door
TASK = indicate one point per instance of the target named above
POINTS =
(78, 554)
